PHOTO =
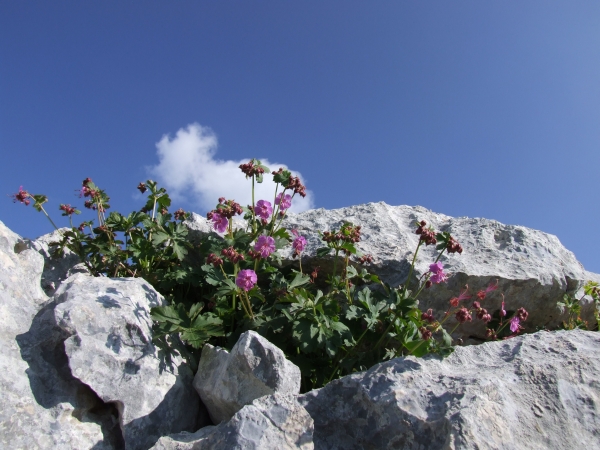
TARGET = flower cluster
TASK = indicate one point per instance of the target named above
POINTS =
(347, 233)
(227, 208)
(86, 190)
(68, 210)
(250, 169)
(214, 260)
(365, 259)
(179, 214)
(427, 234)
(232, 255)
(21, 196)
(296, 185)
(220, 216)
(452, 246)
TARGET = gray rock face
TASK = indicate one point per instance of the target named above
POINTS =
(533, 268)
(41, 406)
(56, 270)
(536, 391)
(254, 368)
(109, 349)
(275, 422)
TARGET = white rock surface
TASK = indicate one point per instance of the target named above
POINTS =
(41, 407)
(537, 391)
(56, 270)
(254, 368)
(275, 422)
(110, 349)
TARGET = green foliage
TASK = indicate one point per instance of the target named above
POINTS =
(572, 306)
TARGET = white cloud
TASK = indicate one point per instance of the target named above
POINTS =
(188, 169)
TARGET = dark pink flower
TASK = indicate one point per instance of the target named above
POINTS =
(265, 245)
(263, 209)
(502, 310)
(21, 196)
(284, 201)
(463, 315)
(220, 223)
(492, 287)
(522, 314)
(246, 279)
(214, 260)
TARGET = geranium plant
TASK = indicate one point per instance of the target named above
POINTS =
(235, 280)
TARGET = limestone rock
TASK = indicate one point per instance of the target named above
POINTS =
(40, 406)
(56, 270)
(254, 368)
(533, 268)
(109, 349)
(534, 391)
(275, 422)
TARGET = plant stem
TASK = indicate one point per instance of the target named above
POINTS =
(253, 207)
(412, 266)
(51, 221)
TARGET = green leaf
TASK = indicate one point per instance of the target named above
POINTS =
(282, 178)
(213, 276)
(166, 314)
(417, 348)
(195, 310)
(446, 338)
(299, 280)
(323, 251)
(179, 250)
(351, 272)
(349, 246)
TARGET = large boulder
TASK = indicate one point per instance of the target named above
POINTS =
(532, 268)
(275, 422)
(535, 391)
(41, 405)
(227, 381)
(109, 348)
(56, 269)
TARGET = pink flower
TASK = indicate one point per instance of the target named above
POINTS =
(220, 223)
(514, 324)
(246, 279)
(438, 273)
(284, 201)
(265, 245)
(298, 245)
(263, 209)
(436, 267)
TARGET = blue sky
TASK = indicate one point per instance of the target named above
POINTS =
(469, 108)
